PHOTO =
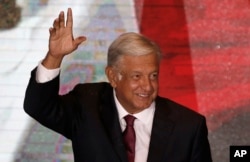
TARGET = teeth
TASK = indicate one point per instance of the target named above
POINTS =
(143, 95)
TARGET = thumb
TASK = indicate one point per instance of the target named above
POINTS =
(79, 40)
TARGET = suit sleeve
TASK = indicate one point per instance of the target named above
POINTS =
(201, 148)
(43, 103)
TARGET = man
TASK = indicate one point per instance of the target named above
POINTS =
(93, 115)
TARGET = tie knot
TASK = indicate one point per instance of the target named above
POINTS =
(129, 120)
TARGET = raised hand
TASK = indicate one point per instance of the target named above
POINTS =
(61, 40)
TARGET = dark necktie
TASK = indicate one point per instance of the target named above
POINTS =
(129, 137)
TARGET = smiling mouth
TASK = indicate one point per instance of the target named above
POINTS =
(143, 95)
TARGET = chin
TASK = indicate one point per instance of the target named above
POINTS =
(143, 107)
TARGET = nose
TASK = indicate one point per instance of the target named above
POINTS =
(146, 84)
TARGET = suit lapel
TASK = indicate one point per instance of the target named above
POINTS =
(111, 123)
(161, 130)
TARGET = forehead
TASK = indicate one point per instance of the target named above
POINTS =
(142, 63)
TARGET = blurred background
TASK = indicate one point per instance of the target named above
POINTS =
(205, 66)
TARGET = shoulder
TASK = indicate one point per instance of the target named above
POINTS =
(91, 90)
(178, 112)
(90, 86)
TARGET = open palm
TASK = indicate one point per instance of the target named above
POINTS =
(61, 40)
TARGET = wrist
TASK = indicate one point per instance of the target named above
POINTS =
(52, 62)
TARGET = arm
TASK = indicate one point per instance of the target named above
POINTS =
(42, 101)
(201, 148)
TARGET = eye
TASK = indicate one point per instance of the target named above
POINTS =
(136, 76)
(154, 76)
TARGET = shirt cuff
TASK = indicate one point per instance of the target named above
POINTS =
(44, 75)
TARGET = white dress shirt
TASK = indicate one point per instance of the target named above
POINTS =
(142, 125)
(44, 75)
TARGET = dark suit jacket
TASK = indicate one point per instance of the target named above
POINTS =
(88, 116)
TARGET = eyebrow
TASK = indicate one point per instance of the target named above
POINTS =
(142, 72)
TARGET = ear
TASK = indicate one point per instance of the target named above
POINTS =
(111, 75)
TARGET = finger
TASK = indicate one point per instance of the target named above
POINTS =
(56, 23)
(69, 22)
(61, 20)
(79, 40)
(52, 31)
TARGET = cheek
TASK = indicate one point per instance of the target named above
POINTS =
(134, 86)
(155, 85)
(127, 87)
(155, 89)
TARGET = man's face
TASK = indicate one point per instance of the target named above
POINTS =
(136, 82)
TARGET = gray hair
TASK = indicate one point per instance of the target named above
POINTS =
(131, 44)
